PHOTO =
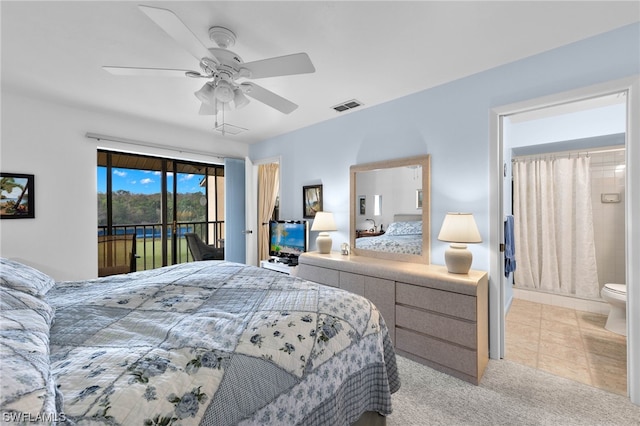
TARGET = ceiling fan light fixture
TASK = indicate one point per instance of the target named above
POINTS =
(213, 108)
(224, 91)
(206, 93)
(239, 99)
(207, 109)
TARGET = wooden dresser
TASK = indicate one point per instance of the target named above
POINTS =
(434, 317)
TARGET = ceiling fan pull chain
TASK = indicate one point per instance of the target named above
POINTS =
(216, 113)
(222, 119)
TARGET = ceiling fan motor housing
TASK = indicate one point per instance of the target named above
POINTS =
(223, 37)
(230, 63)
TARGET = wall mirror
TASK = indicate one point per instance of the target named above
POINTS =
(400, 228)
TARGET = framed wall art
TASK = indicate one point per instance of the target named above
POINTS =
(311, 200)
(362, 204)
(16, 196)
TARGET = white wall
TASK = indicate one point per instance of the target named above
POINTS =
(608, 176)
(594, 122)
(48, 140)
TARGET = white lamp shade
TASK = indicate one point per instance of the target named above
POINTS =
(224, 91)
(323, 221)
(239, 99)
(207, 109)
(205, 94)
(213, 109)
(459, 228)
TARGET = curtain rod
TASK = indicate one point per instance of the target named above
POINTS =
(567, 153)
(100, 137)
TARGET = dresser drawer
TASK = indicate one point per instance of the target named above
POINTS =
(383, 294)
(352, 282)
(454, 330)
(454, 304)
(325, 276)
(447, 354)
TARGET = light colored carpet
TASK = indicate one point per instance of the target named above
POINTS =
(509, 394)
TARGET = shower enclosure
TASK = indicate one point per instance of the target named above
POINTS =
(569, 221)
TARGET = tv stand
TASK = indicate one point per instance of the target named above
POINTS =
(275, 264)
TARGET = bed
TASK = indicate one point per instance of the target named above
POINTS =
(403, 236)
(210, 343)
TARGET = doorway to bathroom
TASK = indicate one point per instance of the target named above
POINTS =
(569, 246)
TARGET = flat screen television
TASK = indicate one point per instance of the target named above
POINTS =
(288, 238)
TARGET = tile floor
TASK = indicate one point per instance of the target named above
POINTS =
(566, 342)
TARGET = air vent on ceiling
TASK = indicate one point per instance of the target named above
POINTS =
(347, 105)
(229, 129)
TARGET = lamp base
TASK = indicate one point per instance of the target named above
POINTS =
(458, 259)
(324, 242)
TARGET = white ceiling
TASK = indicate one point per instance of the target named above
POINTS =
(370, 51)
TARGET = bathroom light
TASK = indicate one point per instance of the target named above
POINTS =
(459, 229)
(323, 221)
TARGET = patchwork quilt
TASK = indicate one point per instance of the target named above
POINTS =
(217, 343)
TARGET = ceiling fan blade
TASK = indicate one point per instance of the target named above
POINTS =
(268, 97)
(145, 72)
(298, 63)
(172, 25)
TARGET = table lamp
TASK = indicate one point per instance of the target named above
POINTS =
(323, 222)
(459, 229)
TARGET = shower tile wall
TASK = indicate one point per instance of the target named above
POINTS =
(608, 177)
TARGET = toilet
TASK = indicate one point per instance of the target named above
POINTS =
(616, 296)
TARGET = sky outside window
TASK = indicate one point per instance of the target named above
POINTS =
(145, 181)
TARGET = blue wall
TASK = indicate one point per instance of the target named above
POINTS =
(450, 122)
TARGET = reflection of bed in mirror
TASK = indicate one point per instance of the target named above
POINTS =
(397, 184)
(403, 236)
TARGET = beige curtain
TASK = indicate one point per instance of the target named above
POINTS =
(268, 187)
(554, 237)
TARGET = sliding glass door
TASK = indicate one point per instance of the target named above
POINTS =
(159, 200)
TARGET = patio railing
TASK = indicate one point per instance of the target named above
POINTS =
(149, 240)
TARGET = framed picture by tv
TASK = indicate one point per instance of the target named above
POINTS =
(311, 200)
(17, 200)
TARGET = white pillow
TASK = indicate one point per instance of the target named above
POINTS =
(24, 278)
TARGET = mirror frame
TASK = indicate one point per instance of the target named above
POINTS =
(420, 160)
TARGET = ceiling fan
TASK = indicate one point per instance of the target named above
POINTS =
(221, 67)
